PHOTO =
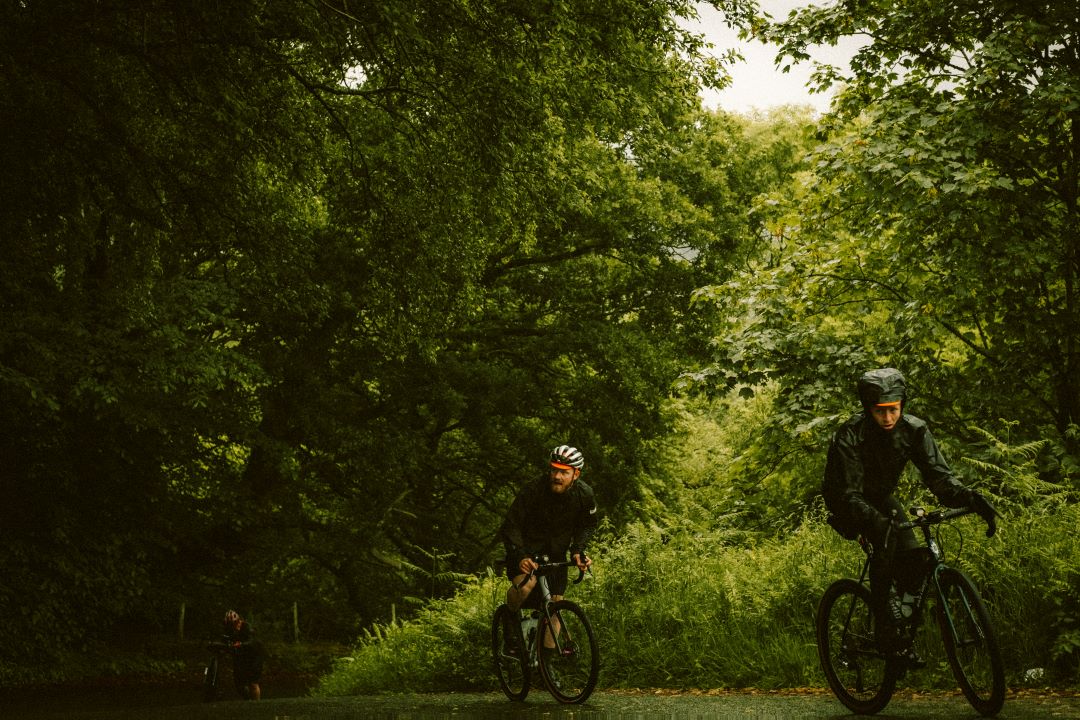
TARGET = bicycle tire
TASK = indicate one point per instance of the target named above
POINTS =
(970, 643)
(210, 678)
(509, 654)
(570, 671)
(860, 675)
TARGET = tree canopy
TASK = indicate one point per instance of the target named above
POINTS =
(296, 294)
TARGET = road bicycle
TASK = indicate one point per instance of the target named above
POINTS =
(212, 671)
(863, 676)
(555, 640)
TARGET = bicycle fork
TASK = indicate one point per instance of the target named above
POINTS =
(968, 631)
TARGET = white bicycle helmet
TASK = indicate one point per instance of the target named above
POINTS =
(566, 456)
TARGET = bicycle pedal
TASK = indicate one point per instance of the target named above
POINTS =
(914, 661)
(909, 659)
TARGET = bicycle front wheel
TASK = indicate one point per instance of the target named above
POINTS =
(970, 643)
(509, 653)
(860, 675)
(570, 669)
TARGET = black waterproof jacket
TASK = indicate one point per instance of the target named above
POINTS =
(864, 465)
(541, 522)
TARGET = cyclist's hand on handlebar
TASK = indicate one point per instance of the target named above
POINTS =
(583, 561)
(527, 565)
(982, 507)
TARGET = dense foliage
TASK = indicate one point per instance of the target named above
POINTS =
(935, 230)
(938, 229)
(296, 294)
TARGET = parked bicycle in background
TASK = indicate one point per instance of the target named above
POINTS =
(212, 672)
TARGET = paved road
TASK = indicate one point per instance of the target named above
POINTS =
(602, 706)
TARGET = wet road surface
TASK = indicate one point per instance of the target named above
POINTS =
(170, 705)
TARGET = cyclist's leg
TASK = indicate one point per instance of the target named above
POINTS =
(518, 593)
(557, 582)
(553, 628)
(516, 596)
(254, 674)
(910, 566)
(880, 581)
(886, 565)
(899, 569)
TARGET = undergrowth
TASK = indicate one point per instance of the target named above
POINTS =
(697, 597)
(701, 611)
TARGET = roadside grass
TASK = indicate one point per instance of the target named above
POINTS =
(444, 647)
(694, 611)
(683, 612)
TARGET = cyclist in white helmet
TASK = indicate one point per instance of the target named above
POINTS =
(551, 516)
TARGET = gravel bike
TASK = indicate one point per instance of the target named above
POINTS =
(212, 671)
(863, 676)
(555, 640)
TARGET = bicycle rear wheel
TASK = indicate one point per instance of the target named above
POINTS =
(860, 675)
(970, 643)
(509, 654)
(210, 677)
(570, 669)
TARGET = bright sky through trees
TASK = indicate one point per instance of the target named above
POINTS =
(758, 83)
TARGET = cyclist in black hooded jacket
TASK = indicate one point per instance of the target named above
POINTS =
(866, 457)
(552, 516)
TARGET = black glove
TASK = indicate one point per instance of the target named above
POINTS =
(982, 507)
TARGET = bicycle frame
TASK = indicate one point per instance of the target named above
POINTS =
(845, 641)
(560, 645)
(923, 521)
(544, 567)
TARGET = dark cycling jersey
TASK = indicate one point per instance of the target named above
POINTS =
(541, 522)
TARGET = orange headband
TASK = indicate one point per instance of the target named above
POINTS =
(894, 403)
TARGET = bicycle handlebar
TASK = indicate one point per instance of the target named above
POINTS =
(543, 566)
(935, 517)
(225, 645)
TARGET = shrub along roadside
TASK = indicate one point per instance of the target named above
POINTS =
(703, 611)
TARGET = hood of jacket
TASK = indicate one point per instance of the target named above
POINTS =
(881, 386)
